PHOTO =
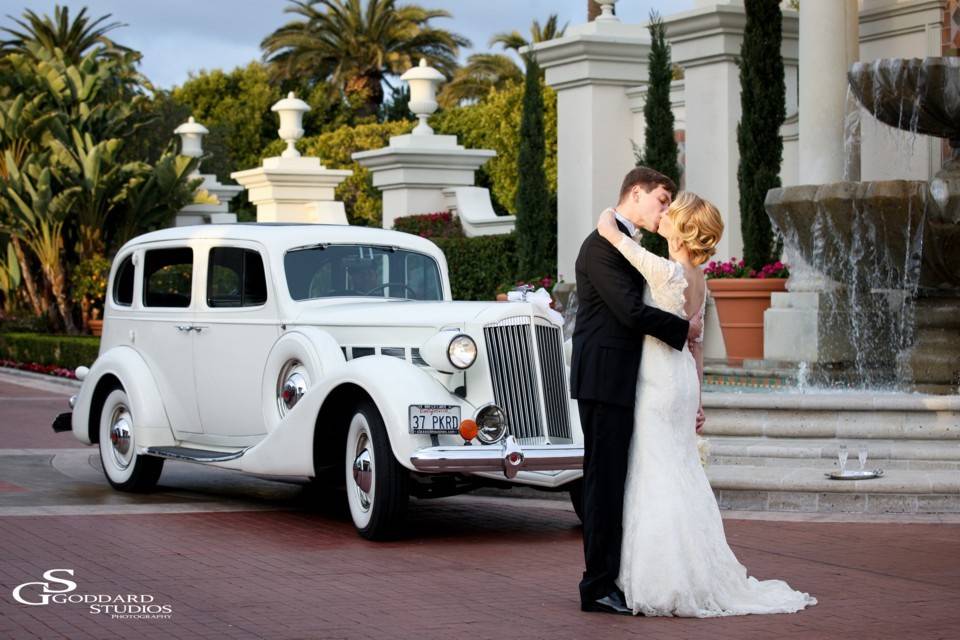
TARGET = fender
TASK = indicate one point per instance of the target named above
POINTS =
(124, 363)
(288, 449)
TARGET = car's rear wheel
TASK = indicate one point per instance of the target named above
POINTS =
(377, 485)
(576, 498)
(125, 469)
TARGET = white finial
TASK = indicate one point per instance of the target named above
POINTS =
(291, 112)
(423, 80)
(191, 138)
(606, 7)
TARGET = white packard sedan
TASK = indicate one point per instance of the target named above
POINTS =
(324, 353)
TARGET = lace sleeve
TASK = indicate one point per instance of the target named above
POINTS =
(703, 308)
(655, 269)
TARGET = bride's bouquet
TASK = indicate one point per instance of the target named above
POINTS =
(703, 449)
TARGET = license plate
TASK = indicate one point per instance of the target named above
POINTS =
(434, 418)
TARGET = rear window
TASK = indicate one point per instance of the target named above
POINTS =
(123, 283)
(167, 277)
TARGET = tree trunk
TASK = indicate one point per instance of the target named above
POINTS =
(57, 282)
(27, 275)
(368, 91)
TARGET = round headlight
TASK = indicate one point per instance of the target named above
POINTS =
(491, 424)
(462, 351)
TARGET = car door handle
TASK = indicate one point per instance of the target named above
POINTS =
(198, 328)
(184, 327)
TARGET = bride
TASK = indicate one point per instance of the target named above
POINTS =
(675, 560)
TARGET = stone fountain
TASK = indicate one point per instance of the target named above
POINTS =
(891, 248)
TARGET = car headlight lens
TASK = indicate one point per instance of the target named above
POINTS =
(462, 351)
(491, 424)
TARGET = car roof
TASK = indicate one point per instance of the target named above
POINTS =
(288, 235)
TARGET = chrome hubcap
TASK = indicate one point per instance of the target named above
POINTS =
(293, 385)
(120, 437)
(363, 472)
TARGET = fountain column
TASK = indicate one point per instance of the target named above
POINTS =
(796, 327)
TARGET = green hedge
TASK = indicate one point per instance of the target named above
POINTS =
(66, 351)
(479, 265)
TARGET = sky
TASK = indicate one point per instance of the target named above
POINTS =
(180, 36)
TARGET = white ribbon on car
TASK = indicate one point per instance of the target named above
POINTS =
(539, 299)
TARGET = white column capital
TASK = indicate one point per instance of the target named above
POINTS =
(595, 58)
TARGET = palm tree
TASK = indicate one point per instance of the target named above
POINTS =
(513, 40)
(75, 38)
(485, 72)
(482, 73)
(356, 43)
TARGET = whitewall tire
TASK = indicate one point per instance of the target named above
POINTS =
(124, 468)
(377, 485)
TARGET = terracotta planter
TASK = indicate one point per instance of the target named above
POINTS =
(740, 306)
(96, 327)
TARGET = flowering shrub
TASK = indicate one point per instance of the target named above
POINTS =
(47, 369)
(442, 224)
(734, 268)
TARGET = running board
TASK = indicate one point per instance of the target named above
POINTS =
(193, 455)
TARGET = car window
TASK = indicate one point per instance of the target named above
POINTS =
(167, 277)
(235, 278)
(123, 283)
(330, 271)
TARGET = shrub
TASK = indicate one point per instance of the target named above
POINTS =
(64, 351)
(442, 224)
(479, 265)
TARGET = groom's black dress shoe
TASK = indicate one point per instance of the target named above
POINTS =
(610, 603)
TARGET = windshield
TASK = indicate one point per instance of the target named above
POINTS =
(336, 270)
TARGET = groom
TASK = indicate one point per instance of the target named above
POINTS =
(612, 321)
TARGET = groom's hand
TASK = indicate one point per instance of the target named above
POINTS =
(696, 328)
(701, 419)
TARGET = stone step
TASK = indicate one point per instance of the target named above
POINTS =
(846, 415)
(800, 452)
(765, 488)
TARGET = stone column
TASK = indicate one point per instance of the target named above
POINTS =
(291, 188)
(212, 202)
(706, 43)
(591, 68)
(829, 44)
(422, 172)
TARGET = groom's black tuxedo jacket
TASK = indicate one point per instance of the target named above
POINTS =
(612, 321)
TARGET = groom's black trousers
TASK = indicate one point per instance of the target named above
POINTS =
(607, 429)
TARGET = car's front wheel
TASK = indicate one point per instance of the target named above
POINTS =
(377, 485)
(125, 469)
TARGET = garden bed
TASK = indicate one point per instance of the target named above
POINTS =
(49, 354)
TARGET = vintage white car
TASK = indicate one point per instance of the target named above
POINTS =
(322, 352)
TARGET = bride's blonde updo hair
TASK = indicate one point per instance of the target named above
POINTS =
(698, 225)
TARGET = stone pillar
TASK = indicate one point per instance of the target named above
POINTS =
(212, 202)
(422, 172)
(291, 188)
(829, 44)
(591, 68)
(706, 43)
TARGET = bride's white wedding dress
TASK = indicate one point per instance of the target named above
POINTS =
(675, 559)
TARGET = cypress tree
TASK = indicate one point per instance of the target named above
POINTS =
(536, 223)
(762, 95)
(660, 146)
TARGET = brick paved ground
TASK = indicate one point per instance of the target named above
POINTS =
(466, 567)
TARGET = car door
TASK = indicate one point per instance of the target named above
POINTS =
(237, 326)
(161, 332)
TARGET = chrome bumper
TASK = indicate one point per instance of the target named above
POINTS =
(507, 456)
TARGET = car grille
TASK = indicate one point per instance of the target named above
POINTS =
(529, 378)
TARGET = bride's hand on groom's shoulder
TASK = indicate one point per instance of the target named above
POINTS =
(607, 225)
